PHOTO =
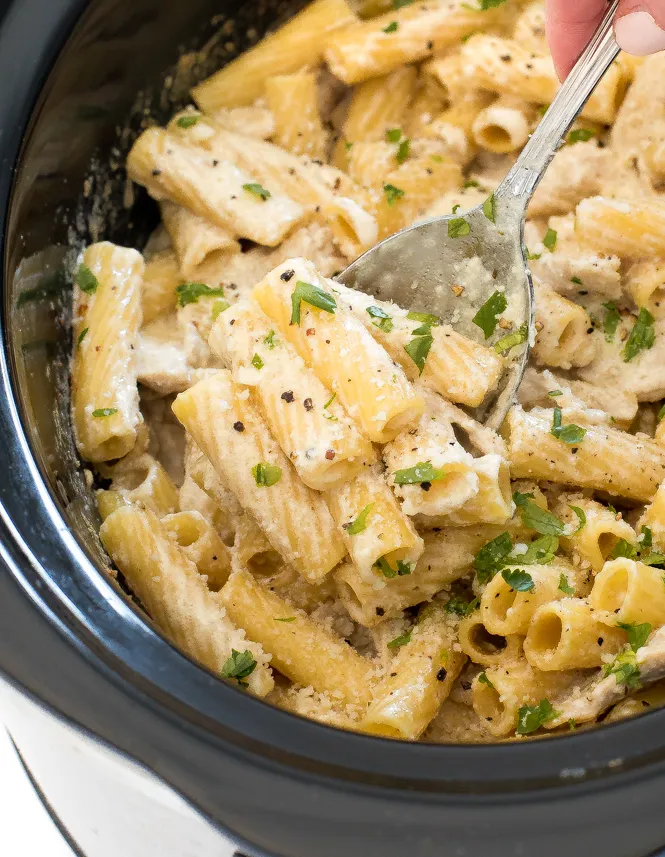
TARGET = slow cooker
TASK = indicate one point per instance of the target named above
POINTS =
(135, 749)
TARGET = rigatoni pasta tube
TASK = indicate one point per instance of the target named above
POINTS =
(597, 538)
(293, 100)
(485, 648)
(144, 480)
(631, 228)
(231, 433)
(531, 77)
(320, 440)
(373, 391)
(161, 278)
(456, 367)
(216, 190)
(504, 126)
(420, 677)
(377, 46)
(505, 610)
(564, 331)
(301, 649)
(195, 240)
(629, 591)
(374, 526)
(605, 459)
(645, 282)
(568, 634)
(176, 596)
(105, 400)
(200, 543)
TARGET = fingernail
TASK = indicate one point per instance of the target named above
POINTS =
(637, 33)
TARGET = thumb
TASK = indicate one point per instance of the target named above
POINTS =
(570, 25)
(640, 27)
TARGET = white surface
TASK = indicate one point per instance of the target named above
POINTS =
(26, 830)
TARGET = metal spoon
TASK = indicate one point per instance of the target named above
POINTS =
(417, 267)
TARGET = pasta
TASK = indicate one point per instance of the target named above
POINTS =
(290, 478)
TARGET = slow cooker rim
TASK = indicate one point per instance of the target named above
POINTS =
(87, 604)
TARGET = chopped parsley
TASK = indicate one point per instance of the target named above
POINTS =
(266, 474)
(104, 412)
(554, 393)
(381, 318)
(564, 586)
(642, 336)
(456, 208)
(537, 519)
(487, 316)
(422, 472)
(532, 717)
(391, 28)
(398, 4)
(637, 634)
(611, 320)
(645, 537)
(482, 678)
(458, 227)
(491, 558)
(257, 362)
(661, 413)
(540, 552)
(392, 193)
(570, 434)
(402, 151)
(580, 135)
(360, 523)
(484, 5)
(393, 135)
(512, 339)
(86, 280)
(257, 190)
(576, 281)
(286, 619)
(549, 240)
(312, 295)
(187, 121)
(270, 341)
(82, 336)
(519, 580)
(624, 669)
(425, 318)
(460, 607)
(402, 640)
(470, 183)
(532, 256)
(418, 348)
(581, 517)
(330, 401)
(489, 208)
(189, 293)
(218, 307)
(239, 666)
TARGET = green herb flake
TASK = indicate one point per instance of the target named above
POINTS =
(611, 320)
(392, 193)
(581, 518)
(402, 640)
(418, 349)
(399, 4)
(645, 537)
(436, 158)
(360, 523)
(642, 336)
(286, 619)
(549, 240)
(312, 295)
(580, 135)
(532, 257)
(491, 558)
(86, 280)
(554, 393)
(637, 634)
(385, 568)
(576, 281)
(270, 340)
(393, 135)
(623, 549)
(506, 343)
(424, 317)
(519, 580)
(266, 475)
(564, 586)
(257, 190)
(422, 472)
(104, 412)
(402, 151)
(532, 717)
(570, 434)
(482, 679)
(541, 551)
(624, 668)
(391, 28)
(381, 319)
(330, 401)
(657, 559)
(82, 336)
(460, 606)
(470, 183)
(458, 227)
(189, 293)
(257, 362)
(661, 413)
(403, 568)
(187, 121)
(487, 316)
(456, 208)
(489, 208)
(219, 306)
(239, 666)
(537, 519)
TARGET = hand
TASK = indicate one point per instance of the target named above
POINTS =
(639, 28)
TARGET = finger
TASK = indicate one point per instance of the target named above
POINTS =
(570, 25)
(640, 27)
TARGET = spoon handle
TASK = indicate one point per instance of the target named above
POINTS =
(597, 57)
